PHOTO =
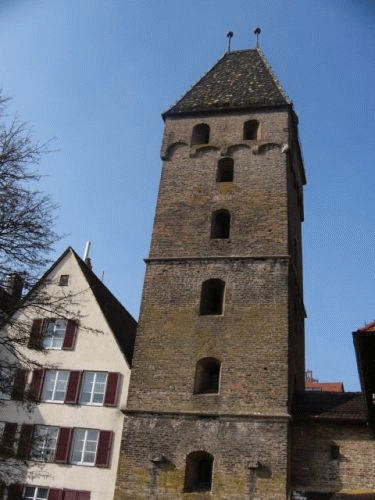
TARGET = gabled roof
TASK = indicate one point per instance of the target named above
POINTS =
(122, 324)
(239, 80)
(330, 405)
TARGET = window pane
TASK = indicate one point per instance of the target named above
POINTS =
(44, 443)
(54, 333)
(42, 493)
(7, 378)
(55, 385)
(93, 388)
(85, 443)
(29, 492)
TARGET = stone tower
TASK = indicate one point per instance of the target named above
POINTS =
(220, 343)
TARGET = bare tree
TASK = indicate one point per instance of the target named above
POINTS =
(27, 216)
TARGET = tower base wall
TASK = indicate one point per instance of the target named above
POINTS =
(250, 456)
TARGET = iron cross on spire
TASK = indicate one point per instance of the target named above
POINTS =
(257, 33)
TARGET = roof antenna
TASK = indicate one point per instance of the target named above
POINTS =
(230, 36)
(257, 33)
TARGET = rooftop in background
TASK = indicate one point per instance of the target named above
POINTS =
(312, 384)
(240, 79)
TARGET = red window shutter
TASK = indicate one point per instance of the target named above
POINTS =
(18, 389)
(72, 391)
(83, 495)
(25, 442)
(103, 454)
(63, 445)
(70, 495)
(36, 385)
(54, 494)
(7, 440)
(15, 492)
(111, 393)
(70, 335)
(36, 334)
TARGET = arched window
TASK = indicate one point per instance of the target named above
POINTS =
(250, 130)
(225, 170)
(207, 374)
(212, 297)
(220, 224)
(201, 134)
(198, 472)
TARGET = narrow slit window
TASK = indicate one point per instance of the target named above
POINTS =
(220, 225)
(201, 134)
(225, 170)
(198, 472)
(207, 375)
(250, 130)
(335, 452)
(212, 297)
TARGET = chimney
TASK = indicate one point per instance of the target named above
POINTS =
(14, 285)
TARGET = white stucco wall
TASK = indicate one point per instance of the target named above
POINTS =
(96, 349)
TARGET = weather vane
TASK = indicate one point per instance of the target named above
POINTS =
(257, 33)
(230, 36)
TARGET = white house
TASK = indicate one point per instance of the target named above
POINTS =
(76, 367)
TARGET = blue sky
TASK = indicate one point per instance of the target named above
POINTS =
(96, 75)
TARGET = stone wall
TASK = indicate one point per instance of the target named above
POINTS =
(249, 457)
(315, 470)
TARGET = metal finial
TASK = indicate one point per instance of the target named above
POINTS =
(230, 36)
(257, 33)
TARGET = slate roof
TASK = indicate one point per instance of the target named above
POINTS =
(330, 405)
(239, 80)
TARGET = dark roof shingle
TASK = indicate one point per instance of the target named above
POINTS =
(240, 79)
(330, 405)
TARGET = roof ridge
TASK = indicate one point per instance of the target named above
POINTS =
(273, 75)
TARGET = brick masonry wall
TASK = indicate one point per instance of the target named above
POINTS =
(254, 336)
(312, 467)
(189, 193)
(250, 338)
(250, 457)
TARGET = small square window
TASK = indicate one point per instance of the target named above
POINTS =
(44, 443)
(54, 333)
(55, 385)
(93, 388)
(64, 280)
(84, 448)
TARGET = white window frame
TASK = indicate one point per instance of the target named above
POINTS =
(93, 388)
(54, 332)
(35, 494)
(44, 445)
(55, 381)
(81, 445)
